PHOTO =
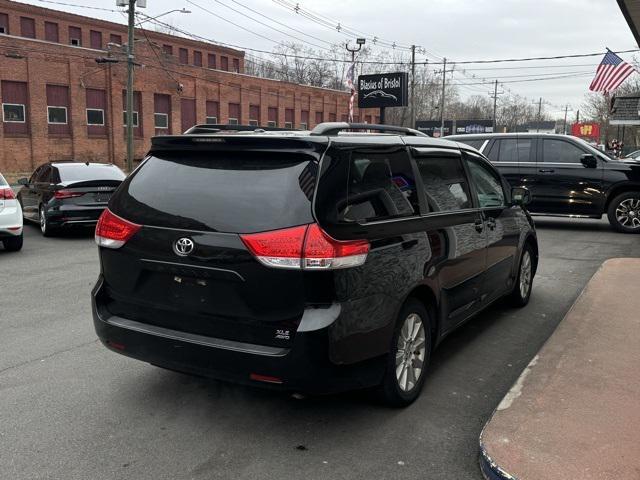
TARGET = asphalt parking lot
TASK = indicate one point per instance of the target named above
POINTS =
(70, 409)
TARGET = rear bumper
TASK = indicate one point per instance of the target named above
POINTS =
(69, 215)
(304, 367)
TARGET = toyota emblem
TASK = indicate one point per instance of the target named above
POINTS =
(183, 246)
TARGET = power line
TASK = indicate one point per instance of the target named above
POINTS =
(89, 7)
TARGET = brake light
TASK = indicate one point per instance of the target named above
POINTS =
(62, 194)
(113, 231)
(305, 247)
(7, 194)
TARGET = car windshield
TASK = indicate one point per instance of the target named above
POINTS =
(78, 172)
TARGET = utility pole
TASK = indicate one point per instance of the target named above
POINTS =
(130, 63)
(578, 116)
(413, 86)
(360, 42)
(495, 103)
(444, 74)
(566, 109)
(539, 115)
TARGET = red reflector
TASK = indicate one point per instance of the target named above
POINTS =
(14, 229)
(117, 346)
(7, 194)
(264, 378)
(113, 231)
(60, 194)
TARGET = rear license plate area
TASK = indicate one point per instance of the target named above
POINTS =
(189, 290)
(102, 197)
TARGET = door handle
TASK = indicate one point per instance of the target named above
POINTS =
(491, 223)
(409, 244)
(546, 170)
(479, 225)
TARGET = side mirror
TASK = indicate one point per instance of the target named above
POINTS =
(520, 196)
(589, 160)
(23, 181)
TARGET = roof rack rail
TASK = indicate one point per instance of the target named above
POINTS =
(333, 128)
(216, 128)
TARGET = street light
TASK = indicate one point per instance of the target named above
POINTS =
(178, 10)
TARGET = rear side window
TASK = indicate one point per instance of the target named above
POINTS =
(560, 151)
(445, 182)
(3, 182)
(381, 185)
(514, 150)
(81, 172)
(234, 192)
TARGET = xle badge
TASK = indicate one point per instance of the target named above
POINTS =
(283, 335)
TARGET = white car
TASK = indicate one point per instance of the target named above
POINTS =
(10, 218)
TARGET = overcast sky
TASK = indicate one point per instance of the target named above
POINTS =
(458, 29)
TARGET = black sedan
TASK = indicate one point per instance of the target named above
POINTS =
(68, 193)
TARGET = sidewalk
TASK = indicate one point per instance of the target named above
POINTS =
(574, 413)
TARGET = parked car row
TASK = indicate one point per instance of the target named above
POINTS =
(57, 195)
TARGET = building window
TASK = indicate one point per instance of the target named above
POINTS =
(4, 23)
(27, 27)
(13, 113)
(188, 113)
(236, 65)
(51, 33)
(95, 117)
(197, 59)
(224, 63)
(319, 118)
(273, 117)
(115, 39)
(212, 112)
(161, 120)
(58, 109)
(211, 60)
(96, 39)
(96, 108)
(183, 55)
(332, 117)
(135, 119)
(168, 49)
(234, 114)
(304, 119)
(57, 115)
(162, 112)
(15, 101)
(254, 115)
(75, 36)
(288, 118)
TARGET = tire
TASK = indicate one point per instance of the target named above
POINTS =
(45, 227)
(397, 388)
(13, 244)
(521, 292)
(624, 212)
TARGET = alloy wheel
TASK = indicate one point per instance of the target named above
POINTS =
(525, 274)
(628, 213)
(410, 353)
(43, 220)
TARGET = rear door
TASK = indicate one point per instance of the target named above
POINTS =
(563, 185)
(207, 197)
(28, 195)
(512, 156)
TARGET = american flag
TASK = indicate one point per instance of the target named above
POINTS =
(350, 84)
(611, 72)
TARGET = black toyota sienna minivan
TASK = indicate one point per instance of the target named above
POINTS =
(314, 261)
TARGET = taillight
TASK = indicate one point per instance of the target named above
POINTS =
(113, 231)
(305, 247)
(7, 194)
(61, 194)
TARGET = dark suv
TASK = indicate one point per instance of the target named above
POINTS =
(566, 176)
(311, 261)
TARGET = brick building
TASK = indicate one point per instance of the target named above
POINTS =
(58, 103)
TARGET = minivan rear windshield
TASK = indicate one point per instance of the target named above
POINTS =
(236, 192)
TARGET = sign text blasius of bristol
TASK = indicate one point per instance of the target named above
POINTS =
(383, 90)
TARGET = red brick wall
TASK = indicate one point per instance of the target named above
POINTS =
(41, 63)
